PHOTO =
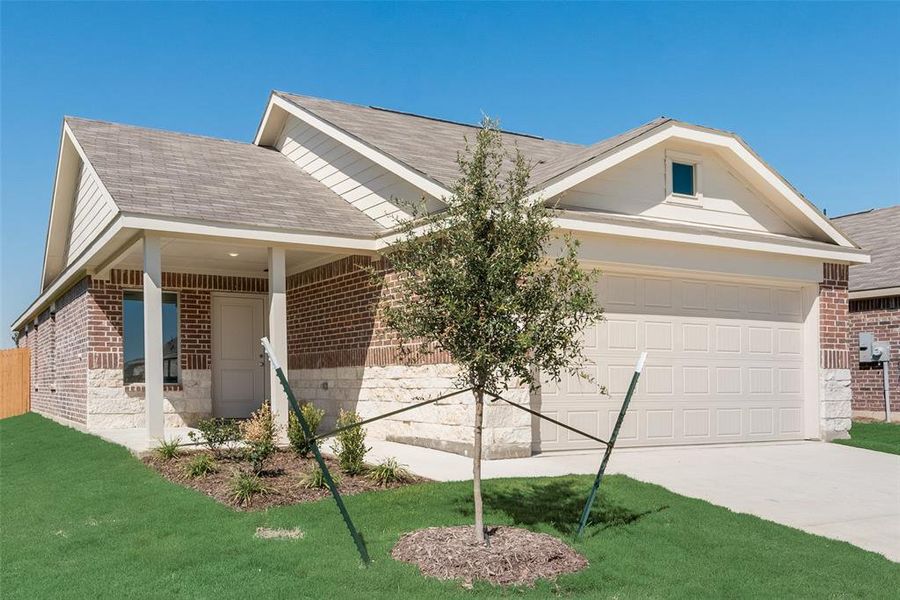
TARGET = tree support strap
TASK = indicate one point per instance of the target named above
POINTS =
(357, 539)
(546, 418)
(609, 447)
(385, 415)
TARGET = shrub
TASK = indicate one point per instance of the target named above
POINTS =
(167, 450)
(350, 445)
(215, 434)
(315, 478)
(200, 465)
(244, 486)
(389, 471)
(296, 436)
(258, 433)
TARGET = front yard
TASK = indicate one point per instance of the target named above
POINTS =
(882, 437)
(81, 518)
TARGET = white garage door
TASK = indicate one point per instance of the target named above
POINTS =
(724, 365)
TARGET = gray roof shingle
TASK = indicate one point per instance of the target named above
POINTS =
(431, 145)
(878, 232)
(426, 144)
(166, 174)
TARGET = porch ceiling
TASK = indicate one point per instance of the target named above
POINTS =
(221, 258)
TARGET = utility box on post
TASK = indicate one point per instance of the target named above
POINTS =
(873, 351)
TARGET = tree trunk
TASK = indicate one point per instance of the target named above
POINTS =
(476, 466)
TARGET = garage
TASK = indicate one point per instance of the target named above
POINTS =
(724, 364)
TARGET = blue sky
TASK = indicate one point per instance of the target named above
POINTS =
(814, 88)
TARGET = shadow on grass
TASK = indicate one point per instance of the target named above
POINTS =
(555, 502)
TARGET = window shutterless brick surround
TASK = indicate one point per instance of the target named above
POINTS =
(880, 316)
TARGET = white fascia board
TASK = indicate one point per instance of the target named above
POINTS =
(393, 165)
(53, 198)
(879, 293)
(181, 227)
(703, 136)
(839, 254)
(75, 269)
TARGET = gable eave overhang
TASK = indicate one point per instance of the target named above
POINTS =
(270, 127)
(721, 140)
(63, 200)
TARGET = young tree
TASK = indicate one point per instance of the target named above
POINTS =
(476, 280)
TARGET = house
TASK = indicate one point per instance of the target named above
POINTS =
(875, 307)
(733, 282)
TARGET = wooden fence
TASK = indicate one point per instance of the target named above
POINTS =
(15, 382)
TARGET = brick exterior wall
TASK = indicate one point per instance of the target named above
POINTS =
(834, 324)
(76, 358)
(334, 318)
(58, 347)
(880, 316)
(194, 301)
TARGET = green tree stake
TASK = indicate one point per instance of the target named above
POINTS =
(357, 539)
(609, 446)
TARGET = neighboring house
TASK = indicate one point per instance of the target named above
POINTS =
(875, 306)
(732, 281)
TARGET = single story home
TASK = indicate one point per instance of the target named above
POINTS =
(875, 307)
(168, 256)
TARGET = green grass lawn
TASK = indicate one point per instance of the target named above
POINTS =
(883, 437)
(81, 518)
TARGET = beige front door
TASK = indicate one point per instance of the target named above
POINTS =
(238, 370)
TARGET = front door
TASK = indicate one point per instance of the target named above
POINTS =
(238, 369)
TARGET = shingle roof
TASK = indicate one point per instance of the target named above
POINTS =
(426, 144)
(161, 173)
(878, 232)
(577, 157)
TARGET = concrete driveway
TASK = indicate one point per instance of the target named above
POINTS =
(835, 491)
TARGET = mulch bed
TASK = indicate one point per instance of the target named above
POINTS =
(514, 556)
(282, 477)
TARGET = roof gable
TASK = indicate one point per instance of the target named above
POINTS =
(426, 144)
(876, 231)
(160, 173)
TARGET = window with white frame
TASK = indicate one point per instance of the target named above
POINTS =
(683, 178)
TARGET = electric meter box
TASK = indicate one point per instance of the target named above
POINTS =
(871, 350)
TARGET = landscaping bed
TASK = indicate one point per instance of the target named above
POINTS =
(282, 478)
(511, 556)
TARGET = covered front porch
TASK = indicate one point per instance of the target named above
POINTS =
(176, 329)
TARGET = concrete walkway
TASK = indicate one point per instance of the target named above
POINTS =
(830, 490)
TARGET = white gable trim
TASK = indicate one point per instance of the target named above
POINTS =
(671, 130)
(404, 171)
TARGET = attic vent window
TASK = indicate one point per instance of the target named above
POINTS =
(683, 179)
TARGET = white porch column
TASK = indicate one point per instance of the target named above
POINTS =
(153, 345)
(278, 336)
